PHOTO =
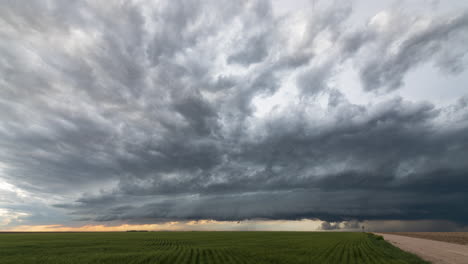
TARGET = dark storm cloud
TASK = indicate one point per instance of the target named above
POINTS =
(406, 181)
(152, 116)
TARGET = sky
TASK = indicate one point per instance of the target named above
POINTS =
(233, 115)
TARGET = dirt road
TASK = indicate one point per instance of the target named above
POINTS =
(450, 237)
(430, 250)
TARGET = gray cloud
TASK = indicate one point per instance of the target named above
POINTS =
(345, 225)
(406, 44)
(154, 117)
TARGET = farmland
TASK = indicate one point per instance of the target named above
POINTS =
(200, 247)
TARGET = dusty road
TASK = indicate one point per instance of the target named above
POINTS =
(431, 250)
(450, 237)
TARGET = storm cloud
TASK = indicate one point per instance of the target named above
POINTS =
(154, 111)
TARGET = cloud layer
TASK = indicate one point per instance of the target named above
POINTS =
(148, 111)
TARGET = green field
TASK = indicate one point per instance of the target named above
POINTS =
(199, 247)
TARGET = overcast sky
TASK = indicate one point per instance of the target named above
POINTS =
(162, 113)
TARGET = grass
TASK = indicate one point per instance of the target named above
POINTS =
(200, 247)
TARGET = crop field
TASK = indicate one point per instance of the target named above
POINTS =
(199, 247)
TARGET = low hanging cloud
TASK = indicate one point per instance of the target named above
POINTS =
(144, 112)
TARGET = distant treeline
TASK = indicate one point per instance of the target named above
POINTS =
(137, 230)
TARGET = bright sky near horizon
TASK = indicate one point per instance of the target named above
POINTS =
(233, 115)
